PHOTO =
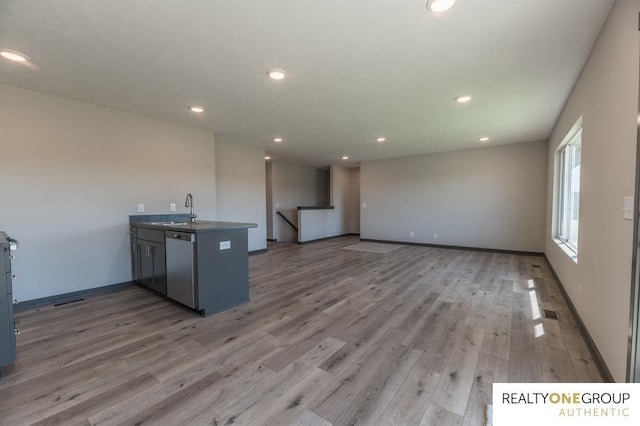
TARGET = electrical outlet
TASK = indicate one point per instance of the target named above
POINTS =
(364, 205)
(579, 288)
(435, 236)
(172, 207)
(225, 245)
(628, 208)
(140, 207)
(411, 234)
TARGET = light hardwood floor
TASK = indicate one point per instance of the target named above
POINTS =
(416, 336)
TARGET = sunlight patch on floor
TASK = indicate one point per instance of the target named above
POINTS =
(535, 309)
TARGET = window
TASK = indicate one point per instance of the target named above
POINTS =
(568, 188)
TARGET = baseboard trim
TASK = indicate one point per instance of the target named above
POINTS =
(324, 239)
(68, 297)
(595, 353)
(272, 240)
(252, 252)
(488, 250)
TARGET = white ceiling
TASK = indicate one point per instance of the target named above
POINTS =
(356, 69)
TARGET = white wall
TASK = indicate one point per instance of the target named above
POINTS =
(491, 197)
(316, 224)
(354, 201)
(340, 197)
(270, 205)
(292, 186)
(75, 172)
(343, 196)
(241, 189)
(606, 96)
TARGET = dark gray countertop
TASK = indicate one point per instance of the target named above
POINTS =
(155, 222)
(315, 207)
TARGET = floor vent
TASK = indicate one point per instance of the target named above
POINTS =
(535, 265)
(67, 302)
(551, 314)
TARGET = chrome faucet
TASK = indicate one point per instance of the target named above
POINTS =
(189, 203)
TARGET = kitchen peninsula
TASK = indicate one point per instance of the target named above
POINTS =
(200, 264)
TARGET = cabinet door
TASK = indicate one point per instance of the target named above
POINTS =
(146, 263)
(135, 259)
(7, 338)
(13, 328)
(159, 268)
(5, 261)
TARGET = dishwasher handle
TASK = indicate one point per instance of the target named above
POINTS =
(182, 236)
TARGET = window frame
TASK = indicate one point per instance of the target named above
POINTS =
(563, 186)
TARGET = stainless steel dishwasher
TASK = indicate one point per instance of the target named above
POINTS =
(180, 248)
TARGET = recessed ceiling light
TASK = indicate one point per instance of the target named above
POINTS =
(266, 157)
(13, 55)
(196, 108)
(440, 6)
(463, 99)
(277, 140)
(344, 157)
(276, 74)
(381, 139)
(484, 139)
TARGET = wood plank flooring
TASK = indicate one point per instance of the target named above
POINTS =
(331, 337)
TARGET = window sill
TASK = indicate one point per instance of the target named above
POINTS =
(566, 249)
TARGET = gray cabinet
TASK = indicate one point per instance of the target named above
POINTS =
(208, 271)
(222, 270)
(135, 255)
(7, 325)
(203, 265)
(148, 262)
